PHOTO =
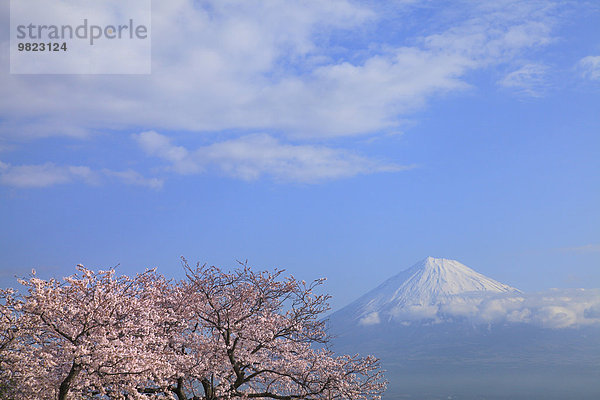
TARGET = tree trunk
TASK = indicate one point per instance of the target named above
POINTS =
(179, 390)
(63, 391)
(209, 393)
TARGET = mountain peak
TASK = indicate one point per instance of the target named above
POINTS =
(438, 264)
(428, 283)
(432, 278)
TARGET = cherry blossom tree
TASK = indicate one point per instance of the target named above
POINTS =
(91, 335)
(253, 335)
(11, 326)
(214, 335)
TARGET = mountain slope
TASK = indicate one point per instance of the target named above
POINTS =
(421, 289)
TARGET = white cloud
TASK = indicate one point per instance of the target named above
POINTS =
(349, 99)
(529, 80)
(557, 308)
(370, 319)
(131, 177)
(303, 72)
(155, 144)
(211, 62)
(252, 156)
(43, 175)
(552, 309)
(49, 174)
(590, 67)
(271, 66)
(555, 317)
(415, 312)
(459, 307)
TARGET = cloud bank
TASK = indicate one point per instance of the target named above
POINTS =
(554, 309)
(590, 67)
(255, 65)
(49, 174)
(252, 156)
(529, 80)
(287, 78)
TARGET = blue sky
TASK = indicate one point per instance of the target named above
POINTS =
(340, 139)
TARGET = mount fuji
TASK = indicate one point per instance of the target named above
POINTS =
(425, 290)
(443, 330)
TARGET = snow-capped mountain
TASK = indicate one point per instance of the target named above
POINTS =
(443, 330)
(428, 287)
